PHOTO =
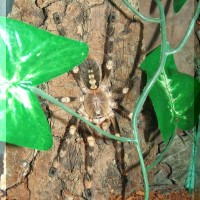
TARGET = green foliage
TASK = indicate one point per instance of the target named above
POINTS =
(174, 96)
(178, 4)
(33, 56)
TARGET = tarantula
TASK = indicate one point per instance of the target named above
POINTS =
(97, 105)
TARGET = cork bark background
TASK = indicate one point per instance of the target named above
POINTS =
(27, 170)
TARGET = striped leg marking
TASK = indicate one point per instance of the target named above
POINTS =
(123, 112)
(62, 151)
(89, 161)
(88, 177)
(108, 52)
(119, 155)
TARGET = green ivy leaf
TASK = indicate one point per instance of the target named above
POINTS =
(29, 57)
(175, 96)
(178, 4)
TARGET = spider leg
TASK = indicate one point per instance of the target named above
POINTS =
(106, 127)
(119, 154)
(121, 110)
(62, 151)
(89, 161)
(58, 19)
(77, 77)
(67, 99)
(118, 145)
(121, 92)
(108, 51)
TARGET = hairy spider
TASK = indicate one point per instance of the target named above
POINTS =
(97, 105)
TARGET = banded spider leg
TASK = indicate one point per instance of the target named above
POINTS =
(62, 150)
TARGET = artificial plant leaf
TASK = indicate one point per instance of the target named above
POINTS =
(26, 123)
(178, 4)
(30, 56)
(36, 55)
(174, 96)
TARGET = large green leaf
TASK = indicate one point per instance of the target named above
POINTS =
(37, 55)
(178, 4)
(30, 56)
(175, 96)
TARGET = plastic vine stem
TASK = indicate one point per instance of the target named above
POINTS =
(193, 168)
(145, 93)
(164, 53)
(147, 19)
(188, 99)
(147, 90)
(162, 154)
(188, 32)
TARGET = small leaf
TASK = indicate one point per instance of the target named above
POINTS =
(178, 4)
(175, 96)
(30, 56)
